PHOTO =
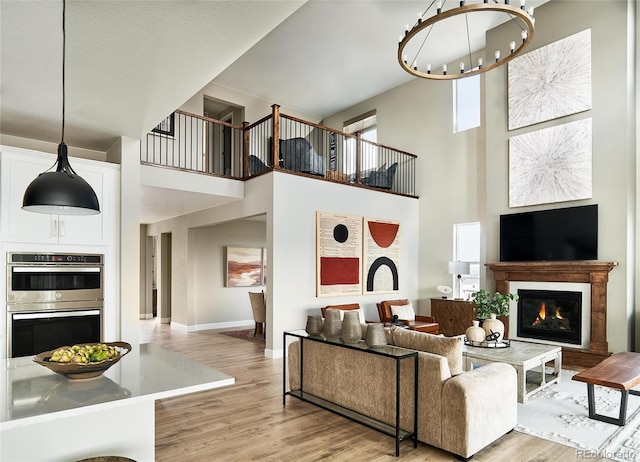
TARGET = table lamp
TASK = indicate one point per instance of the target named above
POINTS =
(459, 268)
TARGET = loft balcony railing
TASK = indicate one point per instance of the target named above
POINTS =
(277, 142)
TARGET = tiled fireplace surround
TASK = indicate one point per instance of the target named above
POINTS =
(595, 273)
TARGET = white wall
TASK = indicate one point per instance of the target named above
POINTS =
(216, 305)
(613, 154)
(292, 289)
(255, 108)
(417, 117)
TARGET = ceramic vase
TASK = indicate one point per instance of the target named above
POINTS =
(475, 333)
(351, 331)
(376, 335)
(314, 324)
(492, 325)
(332, 324)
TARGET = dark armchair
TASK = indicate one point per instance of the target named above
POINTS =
(297, 154)
(381, 178)
(256, 165)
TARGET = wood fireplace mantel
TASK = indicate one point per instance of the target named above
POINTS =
(596, 273)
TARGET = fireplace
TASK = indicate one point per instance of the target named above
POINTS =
(551, 315)
(594, 275)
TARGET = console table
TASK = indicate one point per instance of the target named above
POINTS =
(396, 353)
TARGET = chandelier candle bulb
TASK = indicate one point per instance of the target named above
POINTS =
(444, 69)
(497, 54)
(428, 68)
(522, 2)
(480, 63)
(462, 68)
(439, 9)
(524, 35)
(512, 45)
(405, 58)
(415, 65)
(419, 17)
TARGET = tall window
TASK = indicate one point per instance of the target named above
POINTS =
(365, 125)
(466, 247)
(466, 103)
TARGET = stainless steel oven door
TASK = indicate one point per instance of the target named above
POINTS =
(54, 283)
(33, 328)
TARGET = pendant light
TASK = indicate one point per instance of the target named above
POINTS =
(62, 192)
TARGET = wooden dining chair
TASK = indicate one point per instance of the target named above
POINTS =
(259, 308)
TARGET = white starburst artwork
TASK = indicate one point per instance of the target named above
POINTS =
(551, 165)
(550, 82)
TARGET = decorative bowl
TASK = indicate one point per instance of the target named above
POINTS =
(79, 371)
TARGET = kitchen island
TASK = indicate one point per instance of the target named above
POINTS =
(45, 416)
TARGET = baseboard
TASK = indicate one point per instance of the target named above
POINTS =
(213, 325)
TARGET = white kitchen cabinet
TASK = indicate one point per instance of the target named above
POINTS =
(19, 167)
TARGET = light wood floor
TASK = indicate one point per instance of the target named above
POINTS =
(247, 421)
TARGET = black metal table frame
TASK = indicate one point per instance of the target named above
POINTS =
(352, 415)
(622, 418)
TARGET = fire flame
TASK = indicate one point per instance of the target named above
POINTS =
(543, 311)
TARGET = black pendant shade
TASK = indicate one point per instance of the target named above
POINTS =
(62, 192)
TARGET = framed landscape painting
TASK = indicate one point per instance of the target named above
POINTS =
(244, 266)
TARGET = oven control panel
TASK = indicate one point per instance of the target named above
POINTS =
(53, 258)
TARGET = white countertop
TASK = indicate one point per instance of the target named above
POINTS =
(32, 393)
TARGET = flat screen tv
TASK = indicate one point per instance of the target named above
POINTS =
(567, 234)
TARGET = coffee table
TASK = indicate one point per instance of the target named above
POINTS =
(524, 356)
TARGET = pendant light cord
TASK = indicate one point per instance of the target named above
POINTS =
(64, 6)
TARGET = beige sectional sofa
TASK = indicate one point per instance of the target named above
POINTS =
(460, 412)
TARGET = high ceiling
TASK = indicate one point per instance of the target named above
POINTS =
(129, 63)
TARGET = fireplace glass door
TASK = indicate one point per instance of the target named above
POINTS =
(550, 315)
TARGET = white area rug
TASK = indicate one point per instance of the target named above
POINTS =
(560, 413)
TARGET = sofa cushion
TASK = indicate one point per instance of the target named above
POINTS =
(360, 314)
(404, 312)
(449, 347)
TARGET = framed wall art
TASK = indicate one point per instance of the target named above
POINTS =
(244, 266)
(381, 256)
(338, 254)
(550, 82)
(551, 165)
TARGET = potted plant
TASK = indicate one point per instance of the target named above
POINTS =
(486, 304)
(488, 307)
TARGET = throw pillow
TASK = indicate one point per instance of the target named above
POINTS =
(360, 314)
(405, 312)
(449, 347)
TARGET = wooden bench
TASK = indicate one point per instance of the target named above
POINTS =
(620, 371)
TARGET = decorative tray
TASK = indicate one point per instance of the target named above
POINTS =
(80, 370)
(490, 344)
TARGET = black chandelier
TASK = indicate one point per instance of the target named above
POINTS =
(61, 191)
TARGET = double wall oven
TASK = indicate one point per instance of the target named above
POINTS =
(53, 299)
